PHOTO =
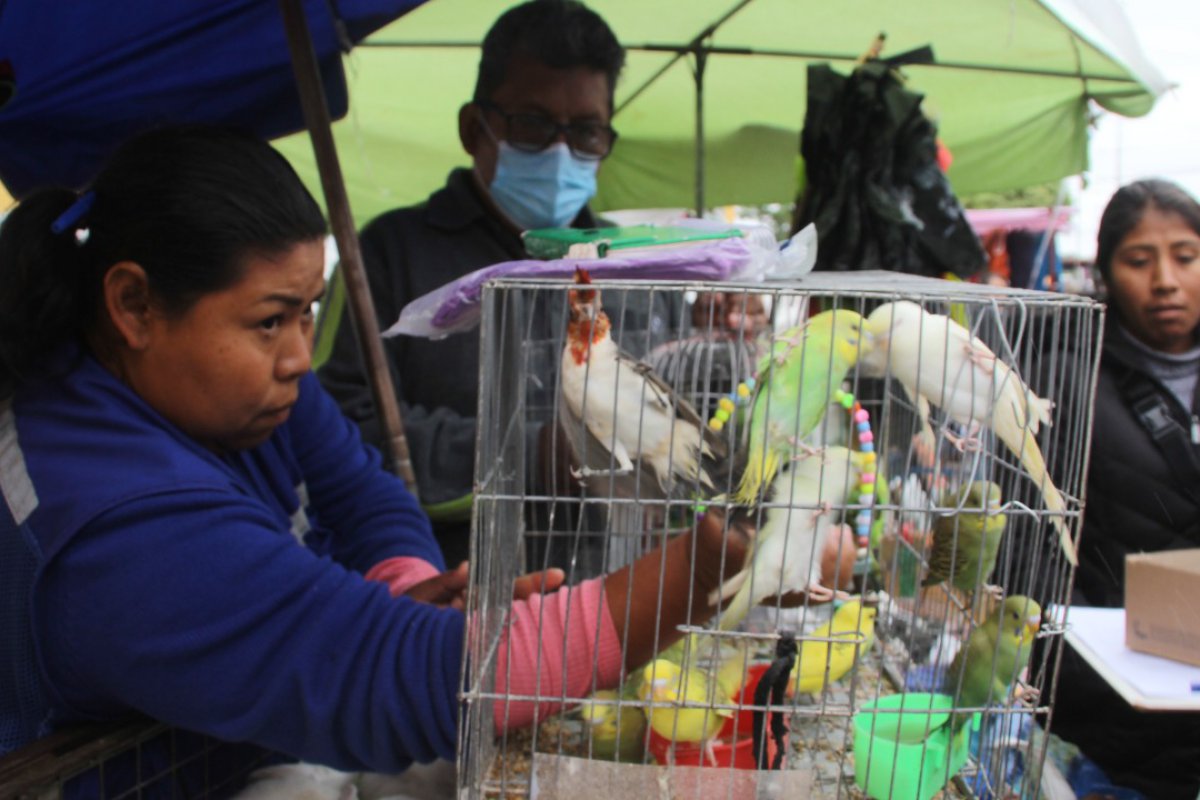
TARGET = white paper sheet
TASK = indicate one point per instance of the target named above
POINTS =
(1145, 681)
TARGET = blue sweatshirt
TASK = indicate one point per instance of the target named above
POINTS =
(224, 593)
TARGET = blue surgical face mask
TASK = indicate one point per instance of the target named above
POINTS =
(542, 190)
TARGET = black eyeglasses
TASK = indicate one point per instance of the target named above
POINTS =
(533, 133)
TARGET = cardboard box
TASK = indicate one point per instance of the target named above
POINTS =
(1162, 604)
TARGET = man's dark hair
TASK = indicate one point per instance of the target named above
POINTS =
(558, 33)
(1124, 211)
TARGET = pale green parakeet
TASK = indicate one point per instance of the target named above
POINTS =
(995, 654)
(938, 361)
(796, 382)
(965, 545)
(785, 554)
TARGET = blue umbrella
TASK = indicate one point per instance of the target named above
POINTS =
(77, 77)
(84, 75)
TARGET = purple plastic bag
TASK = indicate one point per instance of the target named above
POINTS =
(456, 306)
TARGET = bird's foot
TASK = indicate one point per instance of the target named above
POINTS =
(823, 508)
(804, 449)
(820, 594)
(981, 358)
(964, 444)
(1027, 695)
(710, 753)
(995, 591)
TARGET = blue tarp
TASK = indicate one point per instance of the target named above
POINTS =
(83, 75)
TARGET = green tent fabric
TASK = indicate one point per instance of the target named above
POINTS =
(1011, 92)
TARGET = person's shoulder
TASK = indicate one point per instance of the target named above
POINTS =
(454, 199)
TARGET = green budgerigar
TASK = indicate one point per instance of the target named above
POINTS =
(796, 383)
(965, 544)
(995, 655)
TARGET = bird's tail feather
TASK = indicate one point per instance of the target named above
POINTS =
(1031, 459)
(759, 472)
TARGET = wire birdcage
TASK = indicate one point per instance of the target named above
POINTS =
(888, 721)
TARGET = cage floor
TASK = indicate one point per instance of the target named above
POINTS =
(820, 746)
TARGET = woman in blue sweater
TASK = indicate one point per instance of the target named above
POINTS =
(192, 529)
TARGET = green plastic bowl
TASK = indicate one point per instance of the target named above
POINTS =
(903, 749)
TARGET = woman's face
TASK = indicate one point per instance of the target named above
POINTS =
(1156, 281)
(228, 371)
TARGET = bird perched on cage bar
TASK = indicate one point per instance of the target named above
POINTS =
(623, 422)
(938, 361)
(995, 655)
(785, 553)
(820, 663)
(966, 543)
(796, 382)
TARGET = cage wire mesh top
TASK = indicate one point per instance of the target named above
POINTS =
(937, 430)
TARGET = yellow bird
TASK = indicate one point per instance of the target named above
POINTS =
(618, 729)
(686, 700)
(819, 663)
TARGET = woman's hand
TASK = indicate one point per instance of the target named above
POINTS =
(447, 590)
(543, 582)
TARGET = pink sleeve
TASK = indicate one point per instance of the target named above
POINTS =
(402, 573)
(572, 624)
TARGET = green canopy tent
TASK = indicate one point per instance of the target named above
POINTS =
(711, 102)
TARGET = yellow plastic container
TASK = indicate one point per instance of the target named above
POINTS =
(903, 749)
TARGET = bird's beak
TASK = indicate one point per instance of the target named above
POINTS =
(1032, 625)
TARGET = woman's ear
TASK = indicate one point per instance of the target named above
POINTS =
(127, 301)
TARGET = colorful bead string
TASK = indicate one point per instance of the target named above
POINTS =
(866, 444)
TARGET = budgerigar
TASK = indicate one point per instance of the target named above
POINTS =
(994, 656)
(821, 663)
(616, 411)
(684, 698)
(785, 555)
(618, 727)
(795, 385)
(965, 545)
(938, 361)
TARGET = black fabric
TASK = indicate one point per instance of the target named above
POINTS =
(874, 187)
(411, 251)
(1140, 498)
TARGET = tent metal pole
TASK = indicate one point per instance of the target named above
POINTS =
(698, 72)
(362, 309)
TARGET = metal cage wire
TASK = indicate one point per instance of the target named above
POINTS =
(525, 519)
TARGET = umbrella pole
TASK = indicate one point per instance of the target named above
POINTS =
(698, 73)
(362, 309)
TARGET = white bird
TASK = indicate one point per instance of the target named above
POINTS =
(786, 553)
(299, 782)
(616, 411)
(938, 361)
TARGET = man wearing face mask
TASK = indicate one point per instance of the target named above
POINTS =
(537, 130)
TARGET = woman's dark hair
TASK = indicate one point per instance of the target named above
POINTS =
(558, 33)
(187, 204)
(1124, 211)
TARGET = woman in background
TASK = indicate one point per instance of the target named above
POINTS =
(1143, 484)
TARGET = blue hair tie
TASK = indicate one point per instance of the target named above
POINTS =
(76, 212)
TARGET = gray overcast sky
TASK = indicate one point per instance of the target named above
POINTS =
(1166, 142)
